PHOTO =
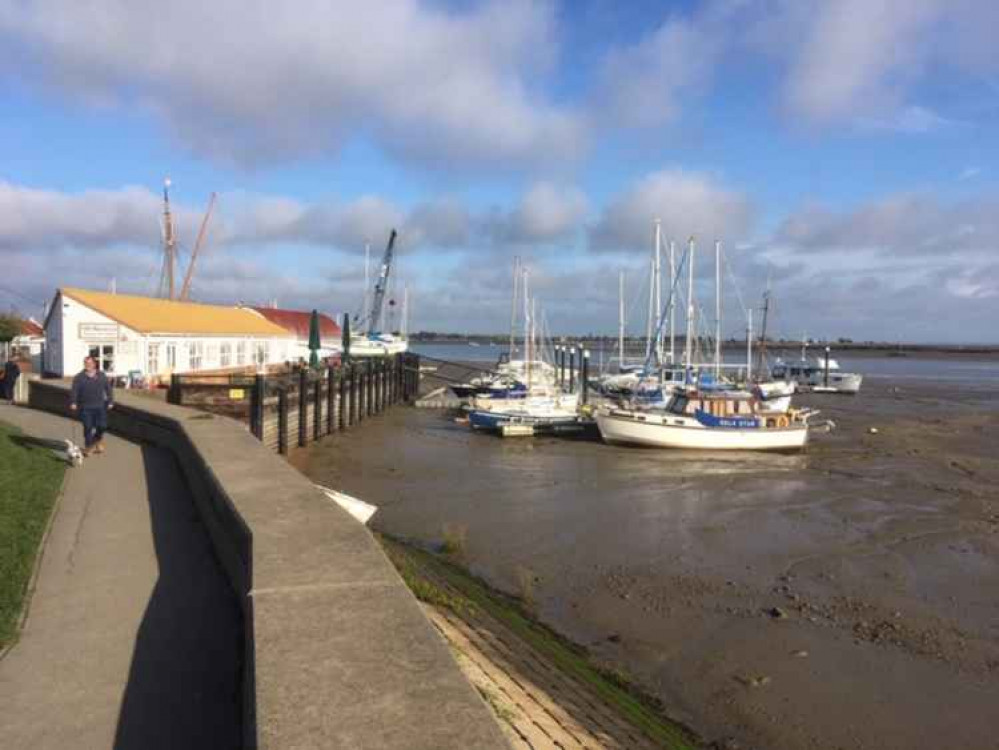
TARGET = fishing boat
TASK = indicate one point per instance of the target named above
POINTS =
(708, 421)
(817, 375)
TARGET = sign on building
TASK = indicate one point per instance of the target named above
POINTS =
(98, 331)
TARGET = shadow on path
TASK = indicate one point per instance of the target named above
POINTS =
(184, 683)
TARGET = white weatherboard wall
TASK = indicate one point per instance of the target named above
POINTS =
(74, 330)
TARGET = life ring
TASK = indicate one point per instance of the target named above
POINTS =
(782, 422)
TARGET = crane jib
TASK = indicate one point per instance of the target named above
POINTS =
(377, 303)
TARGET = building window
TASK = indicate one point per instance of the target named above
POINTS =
(240, 353)
(263, 352)
(104, 354)
(211, 355)
(153, 360)
(195, 355)
(225, 355)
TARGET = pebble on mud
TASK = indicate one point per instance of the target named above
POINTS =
(777, 613)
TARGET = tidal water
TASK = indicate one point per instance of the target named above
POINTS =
(942, 368)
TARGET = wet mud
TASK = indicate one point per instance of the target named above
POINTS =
(847, 597)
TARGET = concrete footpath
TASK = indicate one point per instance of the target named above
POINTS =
(133, 634)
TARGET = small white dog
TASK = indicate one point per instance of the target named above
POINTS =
(71, 452)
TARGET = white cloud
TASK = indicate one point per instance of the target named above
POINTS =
(970, 173)
(38, 218)
(855, 61)
(546, 213)
(687, 203)
(642, 85)
(905, 224)
(256, 83)
(911, 120)
(858, 57)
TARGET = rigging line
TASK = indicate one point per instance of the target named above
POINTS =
(735, 285)
(664, 313)
(20, 296)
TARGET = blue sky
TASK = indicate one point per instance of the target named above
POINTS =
(844, 150)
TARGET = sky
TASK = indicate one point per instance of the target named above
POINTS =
(844, 152)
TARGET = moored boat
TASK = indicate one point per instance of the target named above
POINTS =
(708, 421)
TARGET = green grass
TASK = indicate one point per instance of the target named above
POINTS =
(30, 479)
(640, 709)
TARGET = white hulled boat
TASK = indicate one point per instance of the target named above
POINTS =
(708, 421)
(821, 375)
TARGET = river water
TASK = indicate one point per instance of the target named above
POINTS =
(958, 370)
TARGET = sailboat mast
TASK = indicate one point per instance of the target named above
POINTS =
(366, 302)
(405, 311)
(672, 302)
(620, 320)
(527, 328)
(718, 309)
(690, 307)
(763, 332)
(659, 289)
(513, 305)
(749, 346)
(652, 292)
(169, 242)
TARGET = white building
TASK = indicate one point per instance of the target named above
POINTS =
(132, 335)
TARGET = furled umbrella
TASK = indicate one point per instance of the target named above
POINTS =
(346, 338)
(314, 343)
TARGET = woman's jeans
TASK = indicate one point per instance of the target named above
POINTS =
(95, 423)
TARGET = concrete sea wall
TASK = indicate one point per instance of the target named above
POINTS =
(337, 652)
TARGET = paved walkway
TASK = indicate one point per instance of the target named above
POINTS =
(133, 636)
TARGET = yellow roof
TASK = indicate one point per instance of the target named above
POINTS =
(151, 315)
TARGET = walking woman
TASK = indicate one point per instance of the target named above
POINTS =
(91, 397)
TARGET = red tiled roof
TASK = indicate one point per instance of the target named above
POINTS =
(298, 323)
(31, 328)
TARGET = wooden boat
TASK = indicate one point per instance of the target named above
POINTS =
(708, 421)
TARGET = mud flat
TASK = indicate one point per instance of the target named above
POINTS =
(844, 598)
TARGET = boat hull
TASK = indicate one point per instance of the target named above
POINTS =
(628, 428)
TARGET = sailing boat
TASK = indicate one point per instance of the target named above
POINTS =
(375, 343)
(705, 416)
(544, 407)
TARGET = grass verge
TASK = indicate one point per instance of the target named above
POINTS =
(441, 583)
(30, 479)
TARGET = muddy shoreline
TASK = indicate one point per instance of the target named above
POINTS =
(845, 598)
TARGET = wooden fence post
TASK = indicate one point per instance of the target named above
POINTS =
(257, 407)
(303, 406)
(317, 408)
(344, 407)
(283, 420)
(175, 394)
(359, 388)
(330, 401)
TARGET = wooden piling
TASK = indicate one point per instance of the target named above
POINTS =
(317, 408)
(330, 401)
(303, 407)
(283, 421)
(257, 407)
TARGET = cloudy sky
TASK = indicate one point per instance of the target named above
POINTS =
(843, 150)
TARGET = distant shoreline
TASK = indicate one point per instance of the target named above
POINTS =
(874, 348)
